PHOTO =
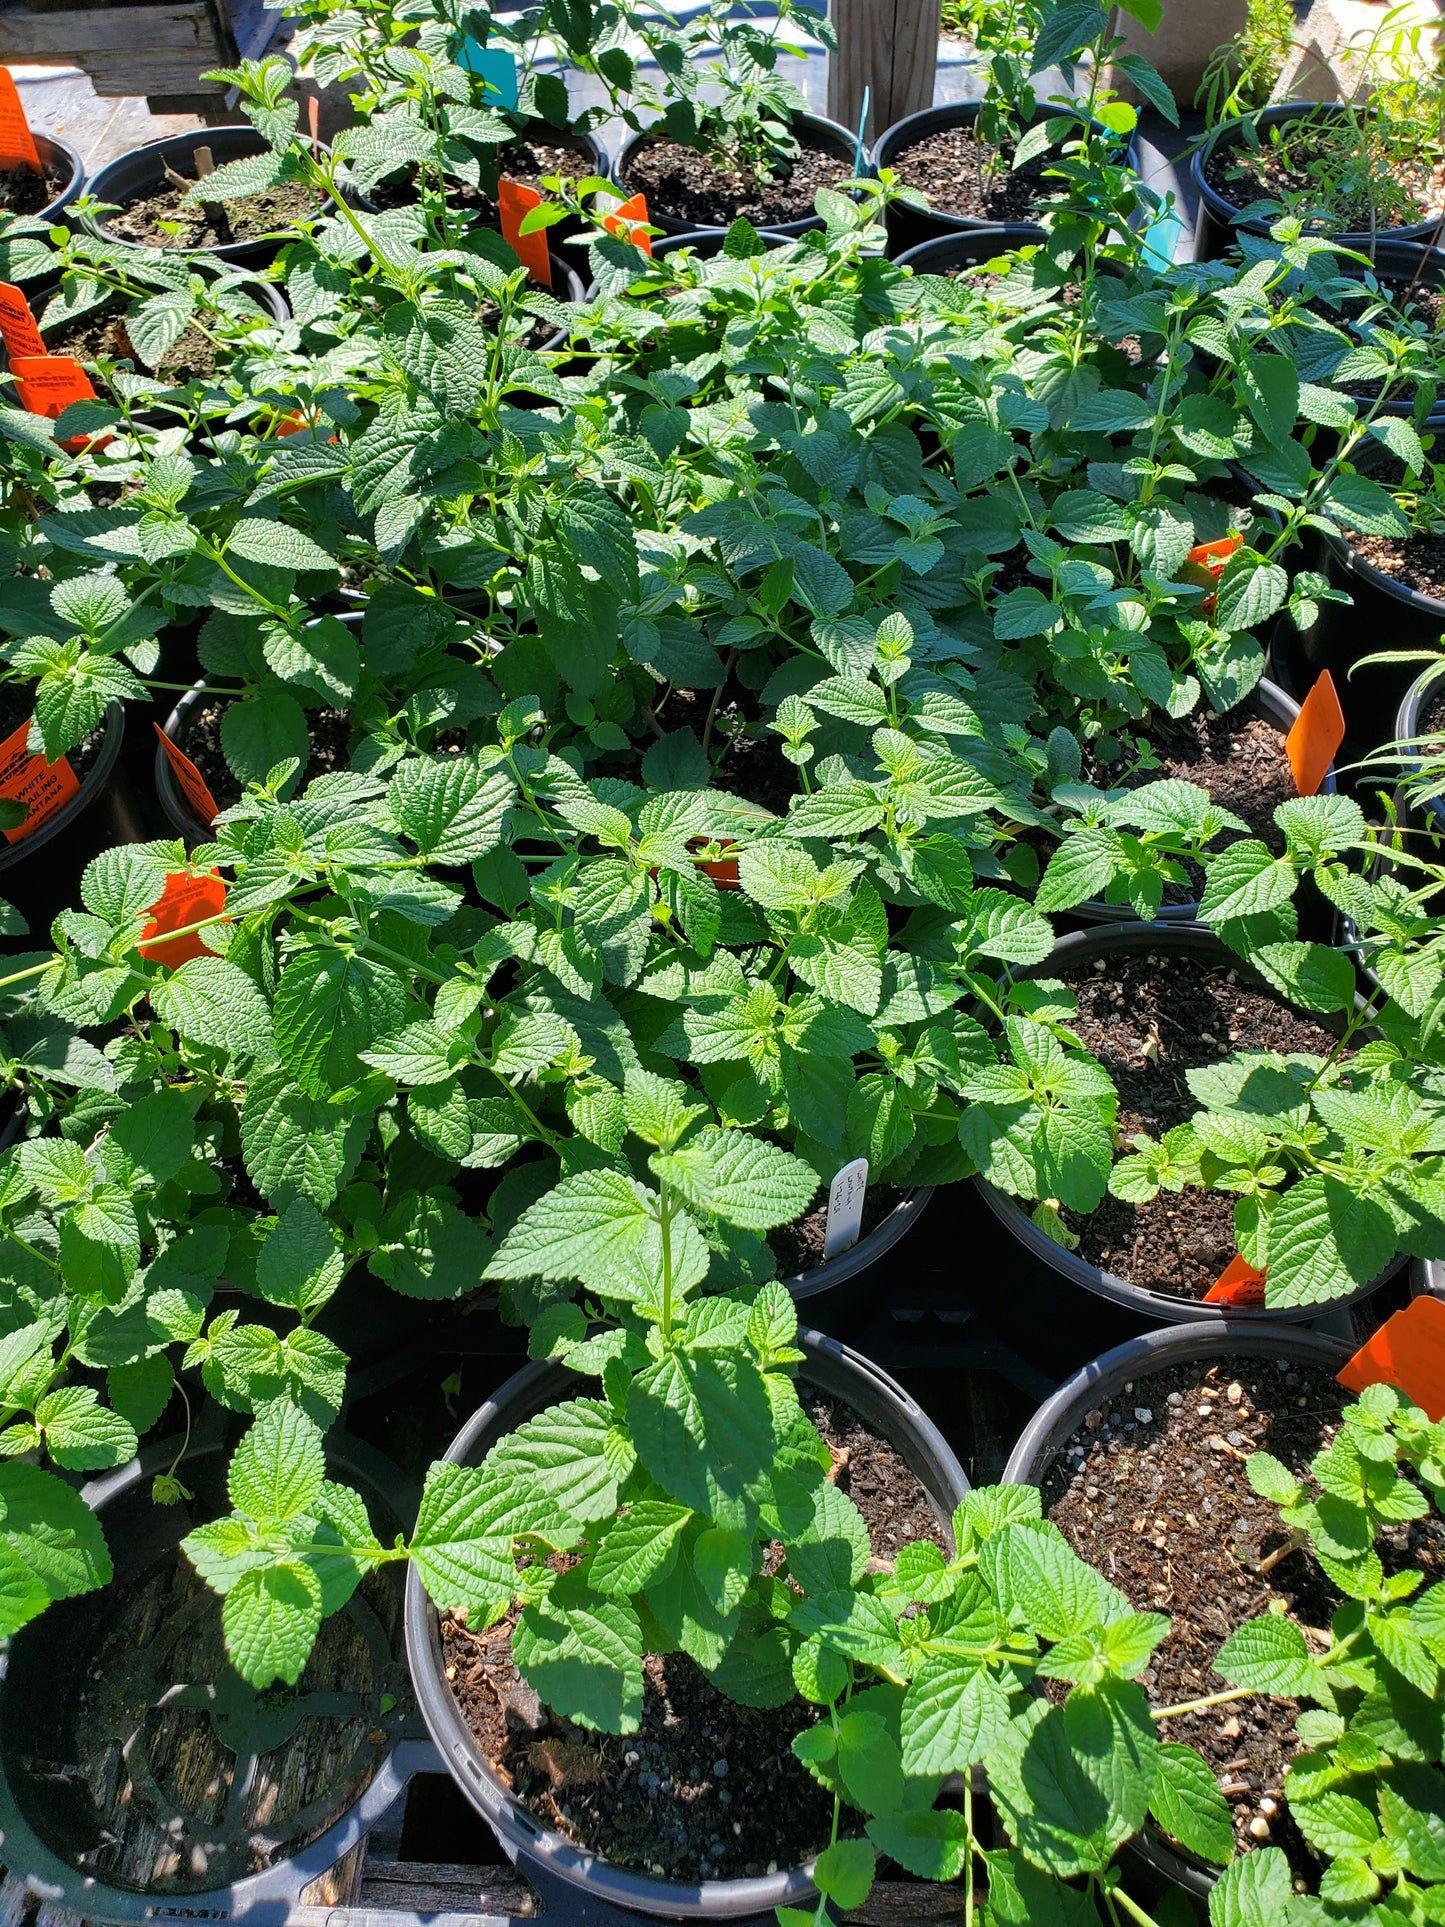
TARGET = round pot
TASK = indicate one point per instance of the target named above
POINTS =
(1402, 261)
(130, 177)
(826, 134)
(57, 153)
(1060, 1416)
(524, 1839)
(267, 295)
(968, 247)
(839, 1293)
(909, 227)
(1051, 1312)
(1279, 709)
(100, 814)
(156, 1635)
(1382, 614)
(1219, 219)
(1417, 699)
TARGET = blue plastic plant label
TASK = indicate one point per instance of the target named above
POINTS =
(495, 69)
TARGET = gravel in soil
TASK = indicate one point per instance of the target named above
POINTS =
(273, 211)
(706, 1789)
(23, 191)
(1417, 563)
(1149, 1019)
(17, 706)
(967, 176)
(1151, 1490)
(329, 730)
(692, 187)
(1274, 172)
(798, 1247)
(100, 334)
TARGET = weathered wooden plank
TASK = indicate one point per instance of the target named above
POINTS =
(15, 1901)
(890, 47)
(188, 24)
(426, 1887)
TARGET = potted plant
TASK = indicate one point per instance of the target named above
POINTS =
(1155, 1424)
(1355, 173)
(27, 195)
(734, 139)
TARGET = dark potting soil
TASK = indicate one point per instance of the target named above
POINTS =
(1238, 757)
(329, 730)
(1151, 1489)
(874, 1475)
(1242, 175)
(17, 706)
(23, 191)
(1417, 563)
(965, 175)
(692, 187)
(706, 1789)
(756, 769)
(1148, 1020)
(100, 334)
(527, 161)
(798, 1247)
(273, 211)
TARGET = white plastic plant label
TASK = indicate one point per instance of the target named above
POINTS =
(845, 1208)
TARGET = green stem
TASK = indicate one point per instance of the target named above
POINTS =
(1199, 1706)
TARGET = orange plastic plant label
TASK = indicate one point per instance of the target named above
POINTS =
(186, 899)
(1214, 555)
(1408, 1351)
(193, 784)
(17, 325)
(47, 385)
(625, 220)
(42, 787)
(1314, 736)
(515, 202)
(17, 143)
(723, 869)
(1238, 1284)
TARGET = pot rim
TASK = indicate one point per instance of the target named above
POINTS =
(788, 230)
(45, 1873)
(164, 148)
(1226, 211)
(91, 784)
(1126, 939)
(1060, 1415)
(519, 1832)
(1281, 709)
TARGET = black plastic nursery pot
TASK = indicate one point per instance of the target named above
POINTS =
(57, 158)
(969, 247)
(1420, 698)
(909, 227)
(268, 297)
(1220, 220)
(1277, 708)
(140, 1777)
(40, 871)
(134, 176)
(1410, 263)
(1055, 1422)
(840, 1294)
(1382, 615)
(597, 1883)
(826, 134)
(1055, 1308)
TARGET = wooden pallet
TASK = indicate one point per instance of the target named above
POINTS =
(158, 49)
